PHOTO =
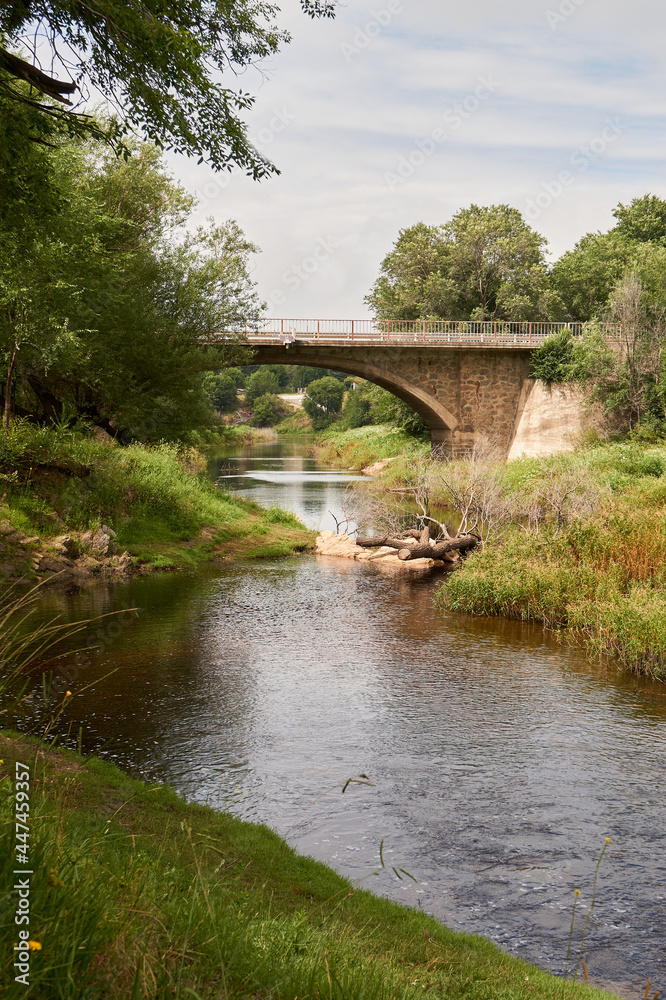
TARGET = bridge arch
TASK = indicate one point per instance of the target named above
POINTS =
(439, 419)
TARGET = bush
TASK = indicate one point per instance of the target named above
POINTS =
(324, 401)
(356, 412)
(552, 361)
(222, 391)
(267, 410)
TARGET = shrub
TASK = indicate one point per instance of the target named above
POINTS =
(552, 361)
(267, 410)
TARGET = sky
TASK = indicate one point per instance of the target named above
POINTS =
(403, 111)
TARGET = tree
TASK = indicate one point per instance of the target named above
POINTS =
(585, 276)
(267, 410)
(158, 64)
(356, 411)
(388, 409)
(643, 220)
(627, 377)
(222, 391)
(107, 310)
(262, 382)
(323, 401)
(485, 263)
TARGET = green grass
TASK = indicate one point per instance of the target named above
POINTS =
(136, 895)
(601, 575)
(163, 509)
(360, 447)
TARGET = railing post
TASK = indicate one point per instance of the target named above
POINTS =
(424, 326)
(281, 326)
(495, 333)
(530, 333)
(352, 329)
(388, 331)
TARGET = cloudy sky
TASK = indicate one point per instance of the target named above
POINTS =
(407, 110)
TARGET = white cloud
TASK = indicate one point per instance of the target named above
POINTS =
(354, 118)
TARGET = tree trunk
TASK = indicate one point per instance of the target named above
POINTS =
(415, 552)
(438, 551)
(453, 545)
(7, 415)
(372, 543)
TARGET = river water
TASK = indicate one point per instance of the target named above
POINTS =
(498, 760)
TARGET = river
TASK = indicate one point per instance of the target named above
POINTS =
(497, 759)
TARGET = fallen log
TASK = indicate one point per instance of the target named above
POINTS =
(440, 550)
(454, 545)
(368, 542)
(415, 552)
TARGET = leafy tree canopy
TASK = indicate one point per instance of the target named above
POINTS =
(323, 401)
(644, 219)
(108, 307)
(162, 64)
(262, 382)
(485, 263)
(586, 276)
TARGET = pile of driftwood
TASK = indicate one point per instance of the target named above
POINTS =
(417, 544)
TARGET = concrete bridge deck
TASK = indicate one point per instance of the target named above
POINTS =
(442, 333)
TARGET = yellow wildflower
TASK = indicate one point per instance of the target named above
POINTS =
(34, 946)
(68, 694)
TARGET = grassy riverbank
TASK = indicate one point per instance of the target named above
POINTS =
(588, 553)
(362, 446)
(135, 894)
(156, 500)
(585, 554)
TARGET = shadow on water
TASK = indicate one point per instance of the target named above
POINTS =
(500, 759)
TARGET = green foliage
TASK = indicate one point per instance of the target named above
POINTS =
(362, 446)
(599, 571)
(67, 480)
(323, 401)
(388, 409)
(267, 410)
(263, 382)
(485, 263)
(584, 277)
(327, 393)
(160, 69)
(356, 411)
(643, 220)
(107, 304)
(222, 390)
(552, 361)
(625, 377)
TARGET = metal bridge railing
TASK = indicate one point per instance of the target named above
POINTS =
(442, 332)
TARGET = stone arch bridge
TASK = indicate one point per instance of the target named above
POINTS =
(466, 379)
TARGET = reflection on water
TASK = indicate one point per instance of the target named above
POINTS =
(282, 473)
(499, 760)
